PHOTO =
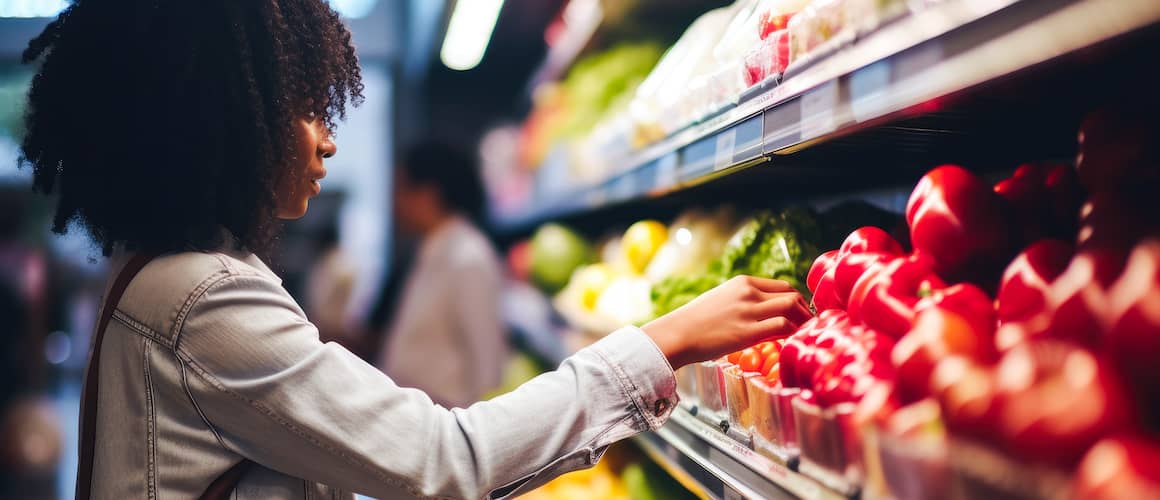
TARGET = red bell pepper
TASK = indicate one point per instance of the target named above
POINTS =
(869, 239)
(1023, 289)
(1124, 466)
(821, 264)
(886, 300)
(1133, 336)
(826, 296)
(851, 267)
(1118, 219)
(1045, 200)
(957, 219)
(967, 300)
(939, 332)
(1066, 196)
(1078, 301)
(967, 392)
(1117, 145)
(1057, 400)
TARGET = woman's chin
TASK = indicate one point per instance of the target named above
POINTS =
(294, 212)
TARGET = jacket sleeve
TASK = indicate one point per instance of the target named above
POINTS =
(476, 305)
(277, 395)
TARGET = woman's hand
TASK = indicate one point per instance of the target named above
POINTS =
(740, 312)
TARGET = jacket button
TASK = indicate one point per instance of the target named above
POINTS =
(660, 407)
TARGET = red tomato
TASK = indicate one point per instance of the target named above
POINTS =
(734, 357)
(765, 348)
(770, 361)
(750, 360)
(773, 376)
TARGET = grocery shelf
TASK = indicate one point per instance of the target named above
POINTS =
(720, 467)
(910, 67)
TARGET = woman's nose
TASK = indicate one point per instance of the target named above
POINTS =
(327, 147)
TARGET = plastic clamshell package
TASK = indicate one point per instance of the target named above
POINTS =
(710, 386)
(909, 467)
(687, 384)
(864, 16)
(978, 471)
(830, 444)
(768, 59)
(769, 431)
(785, 423)
(737, 398)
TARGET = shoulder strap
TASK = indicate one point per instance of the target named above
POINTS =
(220, 488)
(89, 393)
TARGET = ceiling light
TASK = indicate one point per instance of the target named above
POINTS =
(469, 32)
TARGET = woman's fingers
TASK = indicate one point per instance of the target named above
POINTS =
(788, 304)
(769, 285)
(777, 326)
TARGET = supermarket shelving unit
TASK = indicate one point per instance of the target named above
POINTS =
(917, 84)
(918, 66)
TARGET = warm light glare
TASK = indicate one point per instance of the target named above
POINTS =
(469, 32)
(684, 236)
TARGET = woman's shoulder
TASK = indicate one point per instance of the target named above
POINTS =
(170, 284)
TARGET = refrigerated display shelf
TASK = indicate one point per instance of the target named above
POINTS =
(905, 68)
(715, 465)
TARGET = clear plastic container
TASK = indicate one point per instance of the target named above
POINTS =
(785, 422)
(830, 445)
(803, 36)
(908, 467)
(710, 386)
(774, 15)
(978, 471)
(687, 384)
(769, 432)
(768, 59)
(821, 22)
(740, 413)
(864, 16)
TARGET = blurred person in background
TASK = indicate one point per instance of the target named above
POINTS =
(215, 117)
(329, 286)
(446, 336)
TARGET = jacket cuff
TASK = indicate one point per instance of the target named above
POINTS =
(643, 372)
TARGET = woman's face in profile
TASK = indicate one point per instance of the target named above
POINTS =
(300, 181)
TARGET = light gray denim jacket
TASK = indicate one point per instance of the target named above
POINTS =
(209, 360)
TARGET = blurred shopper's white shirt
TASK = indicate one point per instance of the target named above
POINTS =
(447, 337)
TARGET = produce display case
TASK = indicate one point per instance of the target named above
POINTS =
(877, 94)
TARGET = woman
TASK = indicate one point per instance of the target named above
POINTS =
(185, 129)
(446, 337)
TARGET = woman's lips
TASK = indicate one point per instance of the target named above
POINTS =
(315, 183)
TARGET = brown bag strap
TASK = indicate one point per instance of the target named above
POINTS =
(220, 488)
(225, 484)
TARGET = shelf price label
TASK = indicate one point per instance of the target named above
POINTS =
(726, 141)
(781, 126)
(818, 110)
(666, 176)
(868, 91)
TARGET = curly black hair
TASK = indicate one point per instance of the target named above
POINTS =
(452, 171)
(161, 122)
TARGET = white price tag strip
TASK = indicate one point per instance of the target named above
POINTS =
(726, 141)
(868, 88)
(818, 108)
(666, 176)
